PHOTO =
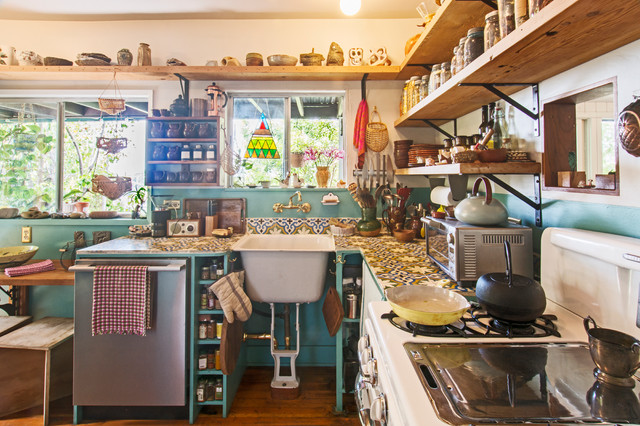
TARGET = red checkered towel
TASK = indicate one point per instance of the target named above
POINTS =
(45, 265)
(121, 300)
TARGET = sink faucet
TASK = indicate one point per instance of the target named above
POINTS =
(304, 207)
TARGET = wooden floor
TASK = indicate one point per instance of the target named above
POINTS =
(252, 405)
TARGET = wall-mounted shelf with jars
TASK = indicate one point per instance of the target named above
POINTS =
(182, 150)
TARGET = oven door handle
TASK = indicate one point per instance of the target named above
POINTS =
(363, 404)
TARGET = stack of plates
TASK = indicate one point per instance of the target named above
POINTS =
(419, 153)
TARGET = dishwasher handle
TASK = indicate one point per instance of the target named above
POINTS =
(171, 267)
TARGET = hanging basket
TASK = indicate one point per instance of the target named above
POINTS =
(112, 145)
(111, 106)
(230, 159)
(111, 187)
(377, 135)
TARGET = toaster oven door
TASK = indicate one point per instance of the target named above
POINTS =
(438, 250)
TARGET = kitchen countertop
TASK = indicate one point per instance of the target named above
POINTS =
(393, 263)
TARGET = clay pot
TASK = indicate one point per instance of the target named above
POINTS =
(254, 60)
(124, 57)
(230, 61)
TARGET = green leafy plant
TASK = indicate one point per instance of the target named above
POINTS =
(138, 197)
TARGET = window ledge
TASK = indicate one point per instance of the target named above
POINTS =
(74, 222)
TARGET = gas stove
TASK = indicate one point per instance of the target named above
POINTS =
(452, 376)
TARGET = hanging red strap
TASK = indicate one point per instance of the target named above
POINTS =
(360, 130)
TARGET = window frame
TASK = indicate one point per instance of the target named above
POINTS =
(287, 95)
(59, 97)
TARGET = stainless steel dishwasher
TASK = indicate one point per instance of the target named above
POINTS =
(131, 370)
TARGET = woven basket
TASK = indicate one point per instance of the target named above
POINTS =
(111, 187)
(111, 106)
(377, 136)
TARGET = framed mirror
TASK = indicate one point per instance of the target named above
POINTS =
(580, 150)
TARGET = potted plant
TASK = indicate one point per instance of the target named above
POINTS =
(137, 197)
(323, 160)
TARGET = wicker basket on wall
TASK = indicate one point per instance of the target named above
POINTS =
(377, 135)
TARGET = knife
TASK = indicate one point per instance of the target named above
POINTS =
(390, 173)
(377, 169)
(365, 175)
(372, 166)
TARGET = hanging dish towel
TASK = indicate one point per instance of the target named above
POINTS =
(360, 131)
(233, 299)
(16, 271)
(121, 300)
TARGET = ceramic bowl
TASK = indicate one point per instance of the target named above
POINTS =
(16, 256)
(254, 60)
(282, 60)
(493, 155)
(404, 235)
(265, 183)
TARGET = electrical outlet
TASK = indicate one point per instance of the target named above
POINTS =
(171, 204)
(26, 234)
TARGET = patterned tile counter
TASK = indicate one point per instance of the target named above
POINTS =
(148, 245)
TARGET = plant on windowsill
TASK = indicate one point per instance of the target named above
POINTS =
(137, 197)
(324, 162)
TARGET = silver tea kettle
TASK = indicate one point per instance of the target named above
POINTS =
(481, 210)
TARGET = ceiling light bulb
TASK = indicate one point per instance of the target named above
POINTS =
(350, 7)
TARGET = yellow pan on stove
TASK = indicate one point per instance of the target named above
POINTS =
(427, 305)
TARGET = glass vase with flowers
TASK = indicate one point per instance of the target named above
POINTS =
(325, 161)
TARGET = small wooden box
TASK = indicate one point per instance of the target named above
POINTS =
(571, 179)
(210, 223)
(606, 181)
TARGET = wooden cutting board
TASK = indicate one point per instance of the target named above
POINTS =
(230, 344)
(332, 311)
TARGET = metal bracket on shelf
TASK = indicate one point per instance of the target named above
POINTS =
(533, 113)
(430, 123)
(363, 85)
(489, 3)
(184, 86)
(536, 203)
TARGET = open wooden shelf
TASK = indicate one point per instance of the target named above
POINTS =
(561, 36)
(472, 169)
(264, 73)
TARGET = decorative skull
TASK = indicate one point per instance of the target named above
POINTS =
(356, 56)
(379, 57)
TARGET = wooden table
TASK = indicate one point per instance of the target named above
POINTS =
(19, 298)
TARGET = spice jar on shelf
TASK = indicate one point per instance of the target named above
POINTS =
(411, 91)
(417, 88)
(460, 55)
(197, 153)
(474, 45)
(424, 87)
(491, 30)
(185, 153)
(445, 72)
(506, 14)
(453, 61)
(434, 78)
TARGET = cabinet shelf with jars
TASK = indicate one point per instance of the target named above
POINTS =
(209, 385)
(182, 150)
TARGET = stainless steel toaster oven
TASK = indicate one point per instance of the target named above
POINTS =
(466, 252)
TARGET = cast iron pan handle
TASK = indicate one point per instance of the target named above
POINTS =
(507, 255)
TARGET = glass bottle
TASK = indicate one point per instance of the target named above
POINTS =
(506, 13)
(474, 45)
(220, 270)
(492, 111)
(483, 124)
(434, 78)
(219, 394)
(202, 330)
(445, 72)
(511, 125)
(203, 298)
(491, 30)
(424, 87)
(200, 390)
(500, 130)
(211, 329)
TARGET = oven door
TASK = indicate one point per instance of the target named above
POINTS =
(437, 239)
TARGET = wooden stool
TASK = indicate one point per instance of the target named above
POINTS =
(8, 324)
(36, 359)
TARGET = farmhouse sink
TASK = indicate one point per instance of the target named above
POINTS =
(285, 268)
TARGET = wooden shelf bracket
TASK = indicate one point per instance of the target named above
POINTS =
(532, 113)
(489, 3)
(430, 123)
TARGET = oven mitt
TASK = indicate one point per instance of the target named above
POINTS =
(233, 299)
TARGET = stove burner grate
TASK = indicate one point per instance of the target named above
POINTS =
(477, 323)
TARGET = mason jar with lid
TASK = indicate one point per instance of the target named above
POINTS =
(424, 87)
(434, 78)
(185, 154)
(460, 55)
(445, 72)
(453, 61)
(417, 87)
(404, 105)
(197, 153)
(507, 17)
(521, 12)
(411, 91)
(491, 30)
(474, 45)
(210, 153)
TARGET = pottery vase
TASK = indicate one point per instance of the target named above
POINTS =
(190, 130)
(125, 57)
(322, 176)
(174, 130)
(369, 225)
(144, 55)
(157, 129)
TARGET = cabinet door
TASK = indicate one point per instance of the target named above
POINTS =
(371, 292)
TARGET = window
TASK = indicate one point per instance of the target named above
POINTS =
(296, 122)
(30, 171)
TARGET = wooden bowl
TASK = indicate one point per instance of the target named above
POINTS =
(404, 235)
(107, 214)
(282, 60)
(493, 155)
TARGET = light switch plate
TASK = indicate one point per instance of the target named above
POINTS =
(26, 234)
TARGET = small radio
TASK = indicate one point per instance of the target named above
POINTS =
(184, 228)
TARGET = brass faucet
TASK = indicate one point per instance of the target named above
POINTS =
(304, 207)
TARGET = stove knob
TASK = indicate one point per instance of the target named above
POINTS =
(378, 411)
(365, 356)
(363, 342)
(372, 370)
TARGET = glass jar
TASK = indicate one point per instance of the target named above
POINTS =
(404, 106)
(491, 30)
(424, 87)
(445, 72)
(411, 91)
(453, 61)
(416, 91)
(535, 6)
(460, 55)
(211, 329)
(185, 153)
(474, 45)
(202, 330)
(210, 153)
(521, 11)
(434, 78)
(506, 14)
(204, 273)
(198, 153)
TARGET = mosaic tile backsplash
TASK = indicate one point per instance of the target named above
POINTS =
(292, 225)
